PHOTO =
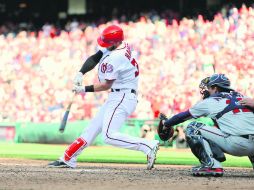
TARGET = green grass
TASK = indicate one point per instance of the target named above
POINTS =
(108, 154)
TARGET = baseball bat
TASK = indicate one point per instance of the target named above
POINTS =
(66, 114)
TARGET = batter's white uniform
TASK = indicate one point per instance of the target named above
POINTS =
(232, 125)
(120, 66)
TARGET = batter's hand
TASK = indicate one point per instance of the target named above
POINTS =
(78, 79)
(247, 102)
(78, 89)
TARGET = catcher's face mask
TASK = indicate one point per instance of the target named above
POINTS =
(203, 88)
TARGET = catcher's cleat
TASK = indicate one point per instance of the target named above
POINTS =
(58, 164)
(205, 171)
(151, 157)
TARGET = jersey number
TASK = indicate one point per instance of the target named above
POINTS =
(135, 64)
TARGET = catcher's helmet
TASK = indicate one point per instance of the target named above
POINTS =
(219, 80)
(204, 82)
(110, 36)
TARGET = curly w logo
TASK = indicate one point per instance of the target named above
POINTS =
(103, 67)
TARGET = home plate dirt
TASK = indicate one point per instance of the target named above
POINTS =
(21, 174)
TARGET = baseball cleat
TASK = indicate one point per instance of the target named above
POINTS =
(58, 164)
(151, 157)
(207, 171)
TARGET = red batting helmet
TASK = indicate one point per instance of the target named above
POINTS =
(110, 36)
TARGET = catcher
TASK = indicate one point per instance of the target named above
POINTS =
(234, 131)
(165, 133)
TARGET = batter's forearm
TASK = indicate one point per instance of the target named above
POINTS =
(101, 87)
(91, 62)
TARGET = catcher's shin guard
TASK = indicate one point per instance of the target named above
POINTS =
(251, 158)
(199, 147)
(218, 154)
(76, 147)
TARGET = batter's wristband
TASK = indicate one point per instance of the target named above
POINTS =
(89, 88)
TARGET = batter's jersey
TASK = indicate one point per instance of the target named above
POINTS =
(121, 66)
(241, 123)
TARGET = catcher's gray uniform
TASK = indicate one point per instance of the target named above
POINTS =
(235, 132)
(235, 126)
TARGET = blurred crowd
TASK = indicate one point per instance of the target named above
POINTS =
(37, 68)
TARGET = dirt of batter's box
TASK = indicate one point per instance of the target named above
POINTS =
(24, 174)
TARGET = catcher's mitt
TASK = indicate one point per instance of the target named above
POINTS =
(166, 133)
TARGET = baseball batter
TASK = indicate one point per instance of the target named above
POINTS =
(118, 72)
(234, 133)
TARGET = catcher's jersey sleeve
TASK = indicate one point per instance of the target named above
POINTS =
(201, 108)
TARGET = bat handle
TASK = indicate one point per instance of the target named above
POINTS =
(73, 96)
(66, 114)
(72, 99)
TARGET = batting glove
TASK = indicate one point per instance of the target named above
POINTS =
(78, 89)
(78, 79)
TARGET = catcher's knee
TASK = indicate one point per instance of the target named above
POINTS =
(193, 135)
(196, 143)
(193, 129)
